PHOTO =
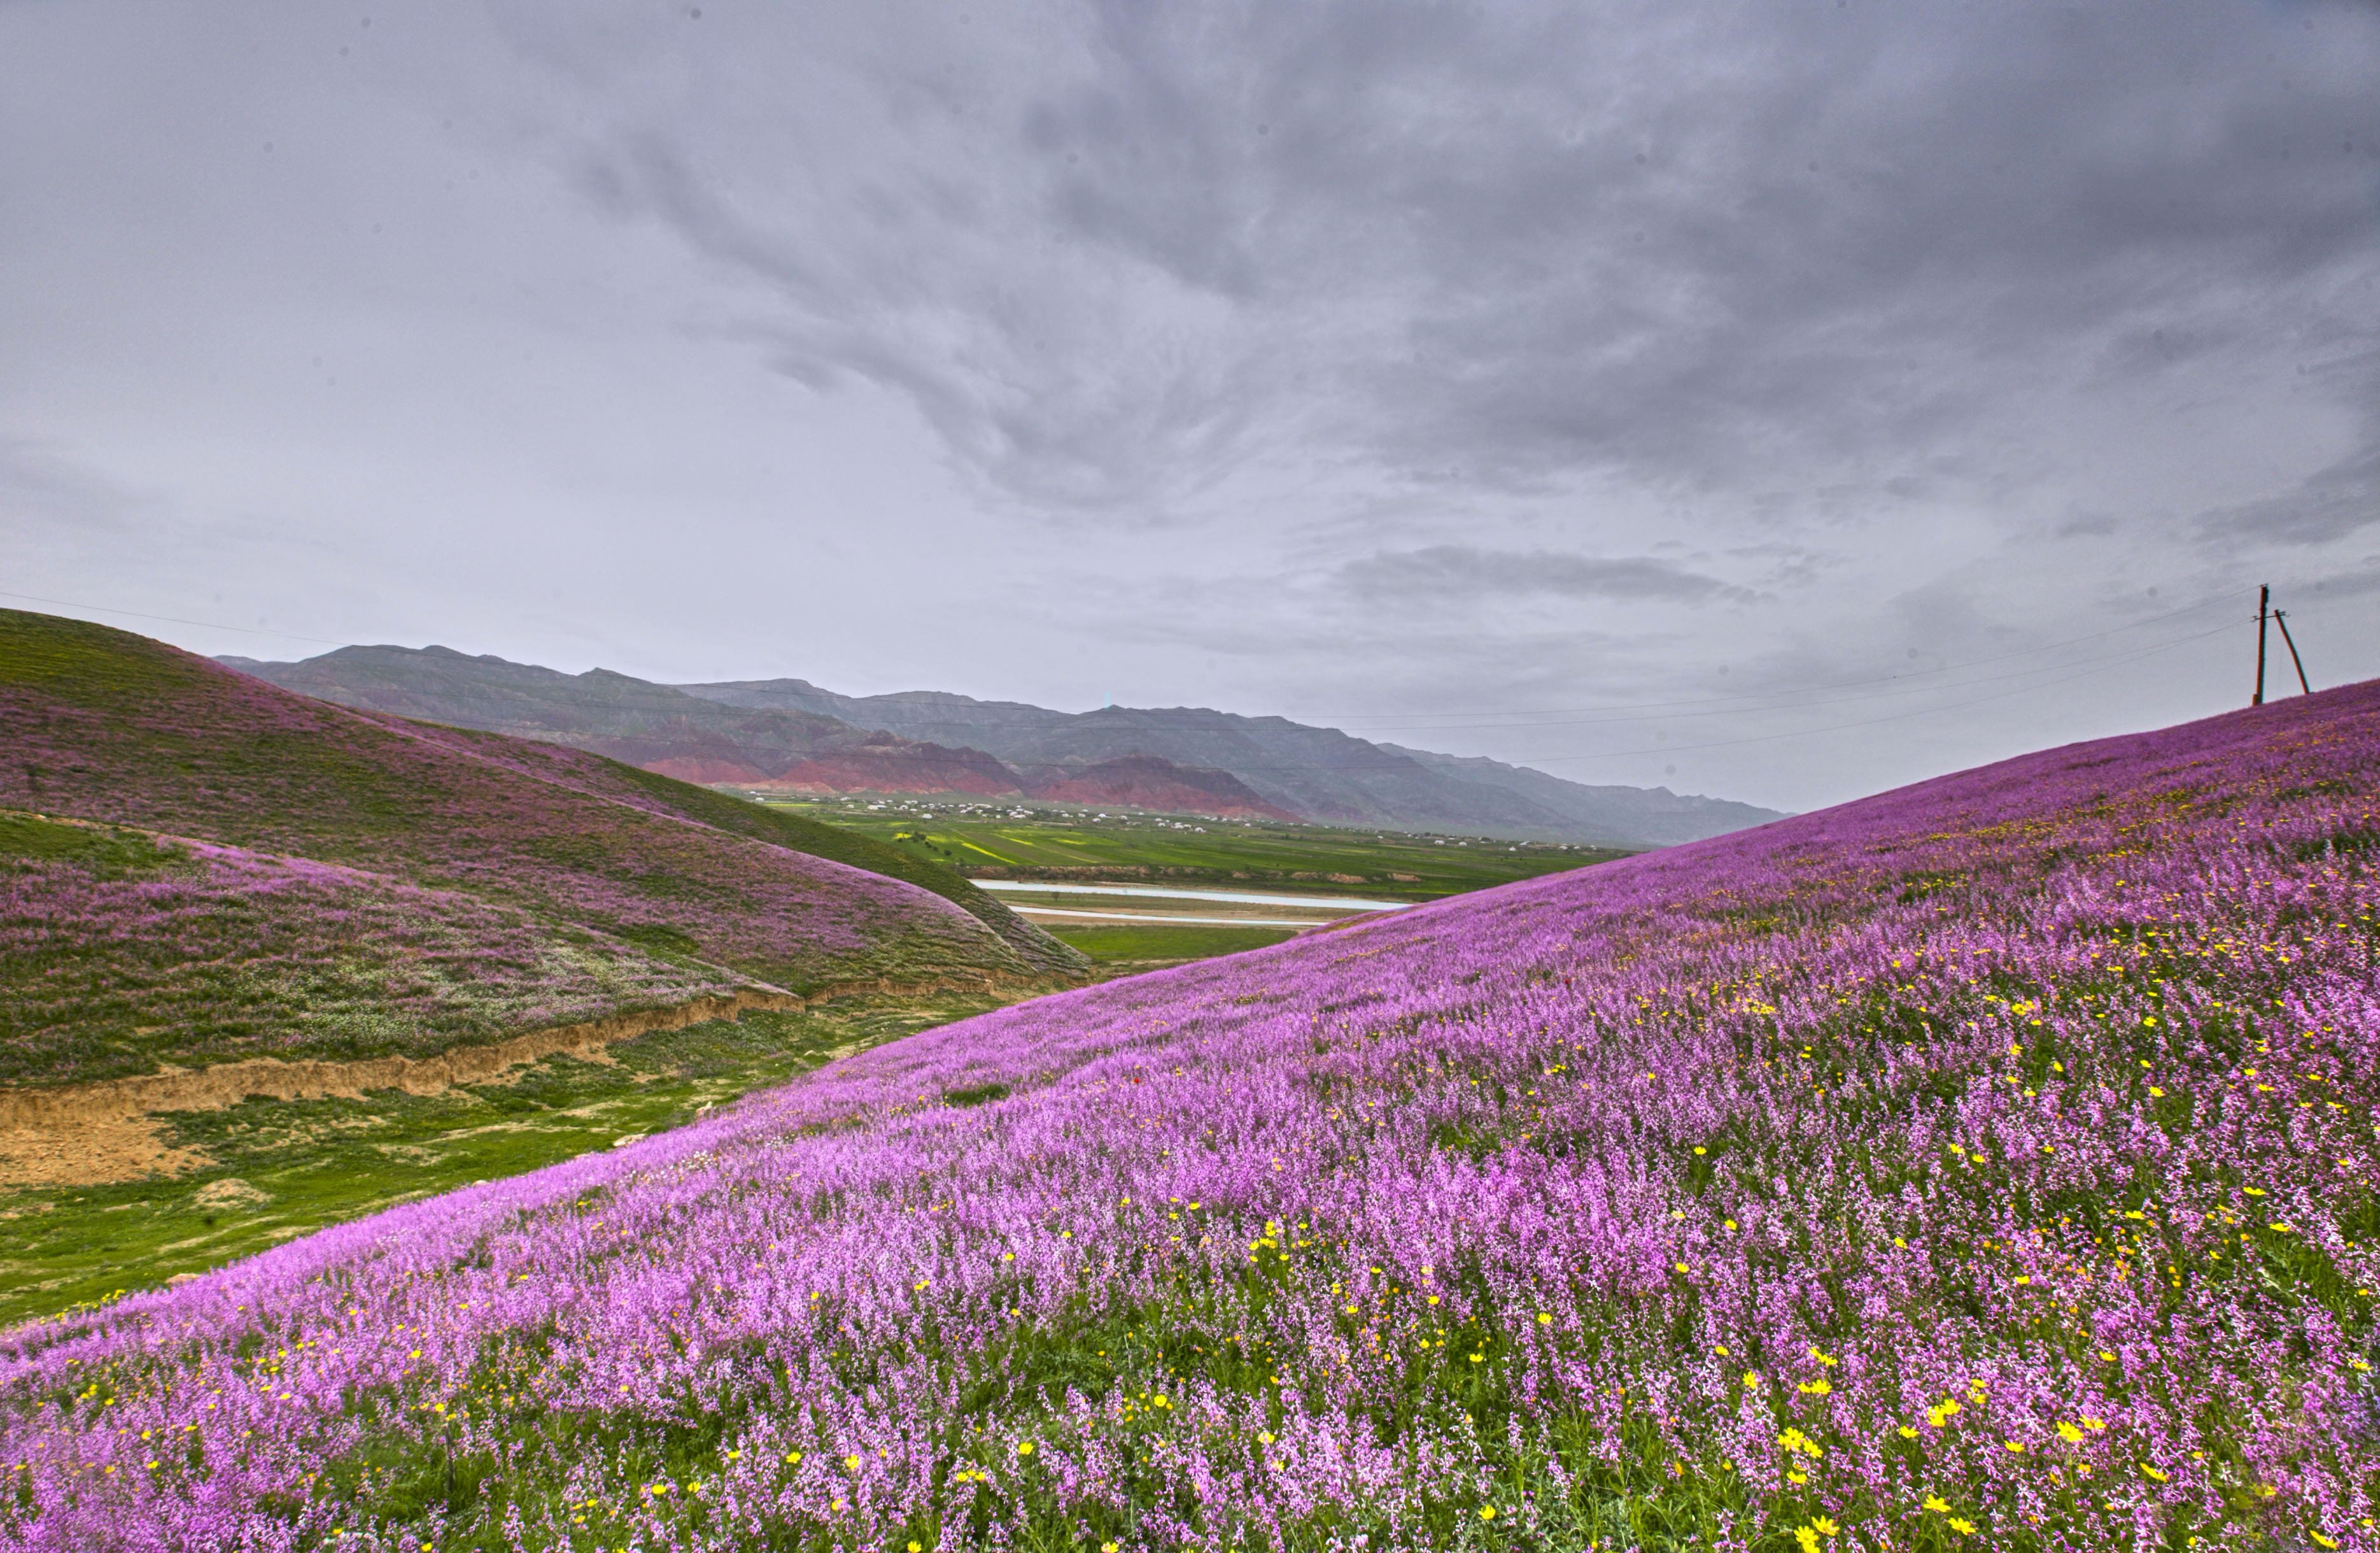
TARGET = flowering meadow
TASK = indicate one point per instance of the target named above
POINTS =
(120, 949)
(1986, 1165)
(102, 725)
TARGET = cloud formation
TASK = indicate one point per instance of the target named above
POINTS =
(1519, 244)
(1320, 358)
(1463, 576)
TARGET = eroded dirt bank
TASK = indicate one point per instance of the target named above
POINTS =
(94, 1134)
(227, 1084)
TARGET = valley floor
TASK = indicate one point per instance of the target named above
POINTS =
(1035, 841)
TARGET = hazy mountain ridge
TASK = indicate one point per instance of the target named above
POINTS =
(792, 735)
(1656, 813)
(765, 748)
(1322, 774)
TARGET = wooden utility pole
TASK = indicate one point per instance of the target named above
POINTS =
(2281, 618)
(2263, 600)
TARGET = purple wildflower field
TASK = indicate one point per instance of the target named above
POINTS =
(204, 953)
(1989, 1164)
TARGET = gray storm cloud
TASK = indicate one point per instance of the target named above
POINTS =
(1439, 365)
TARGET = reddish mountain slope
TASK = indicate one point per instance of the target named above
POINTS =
(1154, 782)
(884, 763)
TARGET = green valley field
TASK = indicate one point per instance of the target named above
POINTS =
(1297, 877)
(1122, 948)
(1037, 841)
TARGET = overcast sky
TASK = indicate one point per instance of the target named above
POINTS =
(1780, 401)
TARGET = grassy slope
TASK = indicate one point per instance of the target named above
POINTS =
(843, 845)
(102, 724)
(120, 949)
(1059, 846)
(774, 825)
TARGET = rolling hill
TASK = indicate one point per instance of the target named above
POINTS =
(195, 865)
(788, 735)
(1988, 1164)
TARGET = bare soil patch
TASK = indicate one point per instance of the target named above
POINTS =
(90, 1150)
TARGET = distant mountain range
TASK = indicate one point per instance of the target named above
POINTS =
(791, 736)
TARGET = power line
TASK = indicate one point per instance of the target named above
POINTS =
(1800, 705)
(528, 701)
(1892, 718)
(1746, 703)
(1841, 685)
(171, 619)
(1724, 706)
(1397, 763)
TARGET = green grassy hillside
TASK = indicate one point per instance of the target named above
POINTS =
(121, 950)
(328, 828)
(772, 824)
